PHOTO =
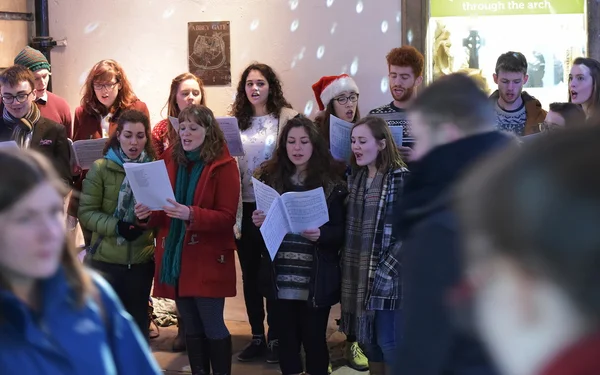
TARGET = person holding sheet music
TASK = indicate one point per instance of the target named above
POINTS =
(195, 246)
(261, 111)
(338, 96)
(303, 281)
(107, 93)
(186, 89)
(370, 261)
(122, 248)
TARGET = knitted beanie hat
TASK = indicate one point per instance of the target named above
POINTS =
(329, 87)
(32, 59)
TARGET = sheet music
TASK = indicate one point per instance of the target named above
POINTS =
(87, 151)
(339, 138)
(305, 210)
(274, 228)
(264, 194)
(150, 183)
(229, 126)
(9, 145)
(174, 123)
(397, 133)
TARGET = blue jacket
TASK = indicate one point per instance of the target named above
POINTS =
(62, 339)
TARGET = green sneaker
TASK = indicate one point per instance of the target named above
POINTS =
(330, 368)
(355, 357)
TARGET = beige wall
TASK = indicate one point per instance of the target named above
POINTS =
(149, 38)
(14, 35)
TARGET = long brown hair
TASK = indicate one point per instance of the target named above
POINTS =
(104, 71)
(594, 67)
(387, 158)
(131, 116)
(243, 110)
(214, 140)
(23, 171)
(278, 170)
(173, 109)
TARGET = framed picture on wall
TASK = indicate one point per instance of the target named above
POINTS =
(209, 53)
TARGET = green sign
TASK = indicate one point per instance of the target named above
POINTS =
(457, 8)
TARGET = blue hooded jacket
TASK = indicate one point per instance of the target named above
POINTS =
(62, 339)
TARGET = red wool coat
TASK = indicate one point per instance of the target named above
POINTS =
(580, 359)
(207, 260)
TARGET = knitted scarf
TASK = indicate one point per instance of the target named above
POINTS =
(126, 202)
(23, 127)
(185, 187)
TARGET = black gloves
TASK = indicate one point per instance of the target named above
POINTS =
(129, 231)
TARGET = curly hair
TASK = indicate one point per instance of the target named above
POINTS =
(173, 109)
(243, 110)
(105, 71)
(131, 116)
(278, 170)
(387, 158)
(407, 56)
(214, 140)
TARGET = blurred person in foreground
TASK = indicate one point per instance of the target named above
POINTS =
(533, 253)
(55, 317)
(453, 123)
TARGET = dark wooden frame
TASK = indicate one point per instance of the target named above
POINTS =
(415, 15)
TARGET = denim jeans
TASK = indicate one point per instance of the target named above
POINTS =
(386, 336)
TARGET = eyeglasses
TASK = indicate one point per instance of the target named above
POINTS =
(21, 98)
(344, 99)
(106, 86)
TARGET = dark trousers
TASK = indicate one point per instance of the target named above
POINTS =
(203, 317)
(249, 251)
(304, 326)
(132, 285)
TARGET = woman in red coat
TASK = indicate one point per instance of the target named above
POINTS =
(195, 263)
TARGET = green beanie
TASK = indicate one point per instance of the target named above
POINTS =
(32, 59)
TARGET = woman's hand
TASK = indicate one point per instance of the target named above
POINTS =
(142, 212)
(177, 211)
(258, 217)
(311, 234)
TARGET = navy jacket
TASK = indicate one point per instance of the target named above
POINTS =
(62, 339)
(431, 261)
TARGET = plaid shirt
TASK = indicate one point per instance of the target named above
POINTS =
(385, 293)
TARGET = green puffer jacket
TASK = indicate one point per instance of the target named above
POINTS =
(97, 205)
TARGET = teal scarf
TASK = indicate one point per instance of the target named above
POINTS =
(185, 187)
(126, 201)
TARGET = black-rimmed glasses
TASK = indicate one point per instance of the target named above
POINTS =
(344, 99)
(21, 98)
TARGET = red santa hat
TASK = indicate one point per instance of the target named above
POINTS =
(329, 87)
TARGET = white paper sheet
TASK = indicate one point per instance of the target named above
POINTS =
(397, 132)
(150, 183)
(293, 212)
(229, 126)
(174, 123)
(264, 194)
(9, 145)
(305, 210)
(339, 138)
(87, 151)
(274, 228)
